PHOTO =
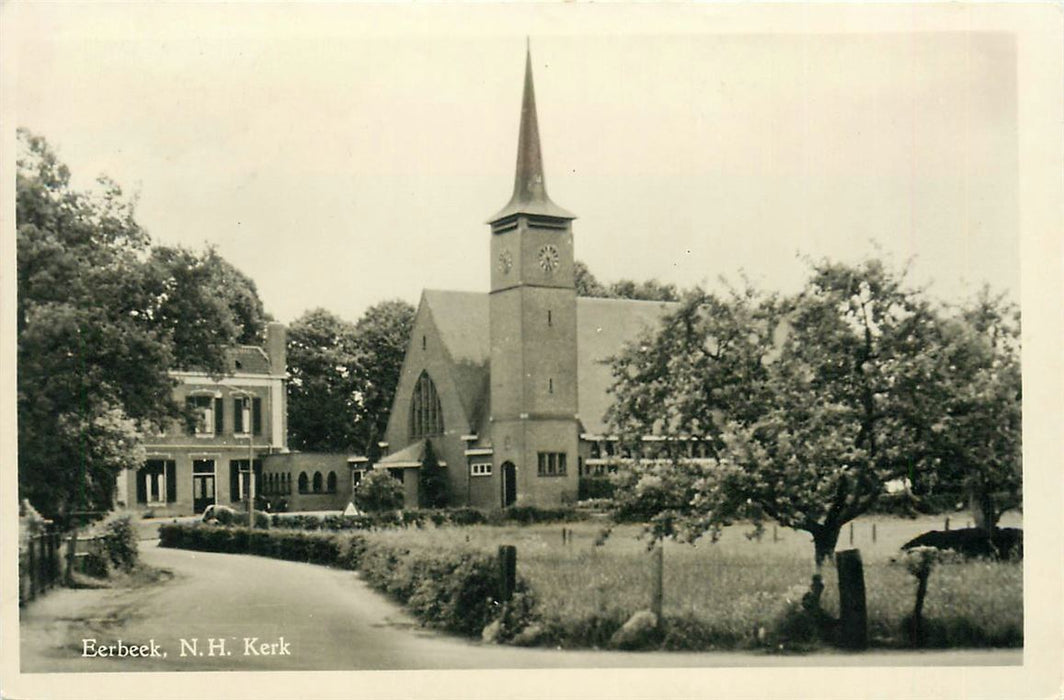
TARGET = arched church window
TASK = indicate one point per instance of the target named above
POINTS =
(330, 482)
(426, 416)
(303, 482)
(316, 482)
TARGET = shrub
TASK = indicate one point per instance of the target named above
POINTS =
(378, 491)
(527, 515)
(452, 589)
(591, 487)
(119, 543)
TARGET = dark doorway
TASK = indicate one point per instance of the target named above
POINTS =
(202, 484)
(509, 484)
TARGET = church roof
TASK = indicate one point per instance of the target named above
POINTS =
(530, 189)
(603, 327)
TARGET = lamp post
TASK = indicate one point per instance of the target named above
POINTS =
(251, 460)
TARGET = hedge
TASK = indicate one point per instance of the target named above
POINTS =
(456, 517)
(452, 589)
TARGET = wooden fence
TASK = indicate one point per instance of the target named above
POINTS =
(43, 563)
(39, 565)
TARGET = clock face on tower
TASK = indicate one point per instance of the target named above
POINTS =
(506, 262)
(548, 258)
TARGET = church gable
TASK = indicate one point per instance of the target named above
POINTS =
(431, 374)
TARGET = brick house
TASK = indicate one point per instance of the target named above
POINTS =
(241, 419)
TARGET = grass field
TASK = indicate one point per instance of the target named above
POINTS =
(727, 594)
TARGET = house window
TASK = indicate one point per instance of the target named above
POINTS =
(157, 482)
(550, 385)
(239, 427)
(303, 482)
(424, 342)
(238, 478)
(208, 415)
(330, 482)
(550, 320)
(356, 477)
(480, 469)
(397, 474)
(551, 464)
(426, 415)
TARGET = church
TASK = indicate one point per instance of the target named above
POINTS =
(510, 387)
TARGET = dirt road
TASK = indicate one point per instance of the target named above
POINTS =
(216, 612)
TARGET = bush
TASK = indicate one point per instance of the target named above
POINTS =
(592, 487)
(527, 515)
(119, 543)
(452, 589)
(378, 491)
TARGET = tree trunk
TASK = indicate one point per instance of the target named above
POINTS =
(825, 537)
(824, 540)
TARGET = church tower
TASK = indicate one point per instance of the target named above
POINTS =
(532, 304)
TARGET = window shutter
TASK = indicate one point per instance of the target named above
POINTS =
(142, 486)
(234, 480)
(219, 416)
(256, 468)
(256, 416)
(238, 415)
(171, 480)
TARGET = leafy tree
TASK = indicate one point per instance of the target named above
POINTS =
(383, 333)
(587, 285)
(343, 376)
(432, 480)
(818, 399)
(378, 490)
(202, 305)
(325, 365)
(95, 335)
(650, 290)
(977, 425)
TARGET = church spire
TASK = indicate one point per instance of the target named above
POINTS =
(530, 190)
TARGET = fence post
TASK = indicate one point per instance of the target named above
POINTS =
(71, 554)
(851, 532)
(507, 571)
(32, 568)
(873, 532)
(947, 523)
(657, 570)
(853, 615)
(775, 537)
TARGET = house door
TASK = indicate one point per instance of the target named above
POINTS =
(202, 484)
(509, 484)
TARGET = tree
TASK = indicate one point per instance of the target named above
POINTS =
(95, 336)
(587, 285)
(977, 429)
(343, 376)
(432, 480)
(325, 366)
(378, 490)
(818, 399)
(203, 305)
(383, 333)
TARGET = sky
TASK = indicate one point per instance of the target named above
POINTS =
(342, 156)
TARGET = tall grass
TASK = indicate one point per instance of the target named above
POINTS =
(731, 593)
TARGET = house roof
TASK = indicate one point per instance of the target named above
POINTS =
(603, 327)
(248, 359)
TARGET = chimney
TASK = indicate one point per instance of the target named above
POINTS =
(275, 347)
